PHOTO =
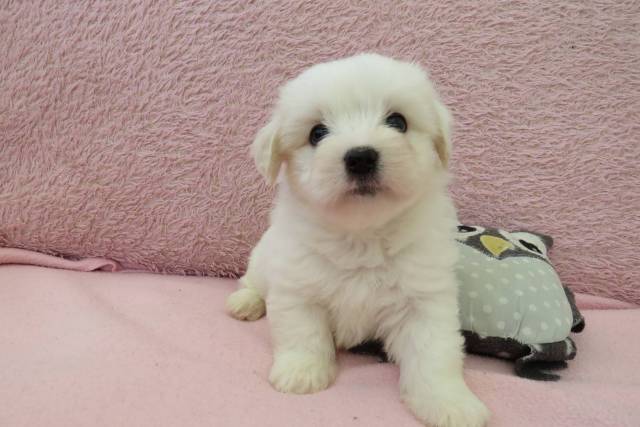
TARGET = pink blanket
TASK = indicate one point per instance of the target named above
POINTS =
(125, 125)
(106, 349)
(22, 256)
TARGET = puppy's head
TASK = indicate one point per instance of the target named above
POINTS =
(361, 138)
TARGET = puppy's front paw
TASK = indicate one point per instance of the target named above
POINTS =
(456, 407)
(299, 373)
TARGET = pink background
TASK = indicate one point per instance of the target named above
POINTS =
(124, 126)
(145, 350)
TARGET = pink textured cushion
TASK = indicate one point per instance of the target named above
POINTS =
(124, 125)
(25, 257)
(121, 349)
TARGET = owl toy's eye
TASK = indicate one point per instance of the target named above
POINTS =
(530, 246)
(466, 232)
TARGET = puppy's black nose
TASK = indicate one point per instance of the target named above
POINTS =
(361, 161)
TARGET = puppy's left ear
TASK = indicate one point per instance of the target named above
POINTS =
(266, 151)
(442, 137)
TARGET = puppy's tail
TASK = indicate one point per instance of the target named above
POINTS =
(246, 303)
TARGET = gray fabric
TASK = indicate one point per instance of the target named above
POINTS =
(532, 361)
(512, 303)
(517, 297)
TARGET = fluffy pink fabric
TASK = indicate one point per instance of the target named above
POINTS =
(105, 349)
(124, 125)
(22, 256)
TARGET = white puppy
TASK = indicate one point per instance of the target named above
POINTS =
(361, 238)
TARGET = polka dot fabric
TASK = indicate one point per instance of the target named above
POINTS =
(515, 297)
(512, 303)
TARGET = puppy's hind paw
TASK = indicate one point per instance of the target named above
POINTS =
(246, 304)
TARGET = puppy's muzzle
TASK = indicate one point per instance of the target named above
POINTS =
(361, 162)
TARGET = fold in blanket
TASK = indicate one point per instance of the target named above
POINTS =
(23, 256)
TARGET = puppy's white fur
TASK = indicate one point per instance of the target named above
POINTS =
(337, 268)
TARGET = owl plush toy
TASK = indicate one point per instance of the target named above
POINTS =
(512, 303)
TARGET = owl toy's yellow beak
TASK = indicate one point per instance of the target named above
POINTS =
(495, 245)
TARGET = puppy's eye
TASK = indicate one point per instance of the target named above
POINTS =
(317, 133)
(466, 229)
(397, 121)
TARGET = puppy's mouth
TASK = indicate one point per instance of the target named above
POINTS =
(365, 189)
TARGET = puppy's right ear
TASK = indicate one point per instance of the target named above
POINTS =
(442, 137)
(266, 151)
